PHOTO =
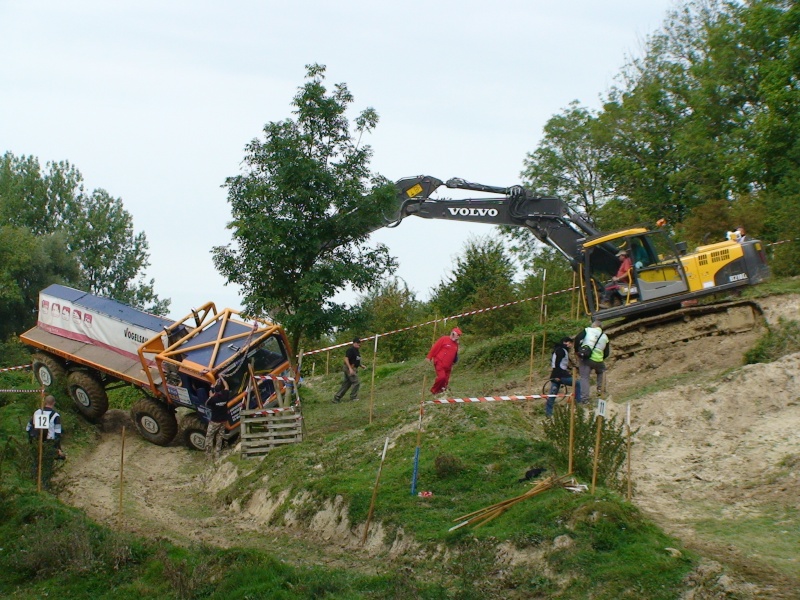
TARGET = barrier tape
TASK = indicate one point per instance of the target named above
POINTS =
(273, 411)
(464, 314)
(495, 399)
(274, 377)
(20, 391)
(15, 368)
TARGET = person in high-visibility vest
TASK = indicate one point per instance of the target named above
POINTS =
(51, 437)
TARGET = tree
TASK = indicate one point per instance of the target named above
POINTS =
(30, 263)
(568, 161)
(302, 212)
(390, 307)
(482, 277)
(95, 230)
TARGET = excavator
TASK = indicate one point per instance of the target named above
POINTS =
(663, 286)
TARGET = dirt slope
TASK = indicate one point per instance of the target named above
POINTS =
(726, 445)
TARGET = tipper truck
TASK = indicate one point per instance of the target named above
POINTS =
(96, 344)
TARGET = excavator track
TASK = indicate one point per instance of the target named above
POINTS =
(684, 324)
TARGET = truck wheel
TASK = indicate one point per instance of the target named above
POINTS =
(194, 433)
(88, 393)
(47, 369)
(155, 422)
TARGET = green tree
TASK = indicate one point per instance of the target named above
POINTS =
(302, 212)
(95, 230)
(483, 276)
(568, 162)
(390, 307)
(30, 263)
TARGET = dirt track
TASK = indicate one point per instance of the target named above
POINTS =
(714, 447)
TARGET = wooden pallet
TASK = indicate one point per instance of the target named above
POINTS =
(263, 430)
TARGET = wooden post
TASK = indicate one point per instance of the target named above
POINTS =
(374, 493)
(601, 412)
(628, 447)
(541, 309)
(419, 437)
(372, 386)
(121, 478)
(327, 361)
(254, 383)
(530, 373)
(572, 419)
(572, 308)
(42, 433)
(544, 342)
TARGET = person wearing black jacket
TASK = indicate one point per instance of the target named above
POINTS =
(51, 437)
(560, 373)
(218, 404)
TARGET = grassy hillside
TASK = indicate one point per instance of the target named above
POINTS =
(308, 504)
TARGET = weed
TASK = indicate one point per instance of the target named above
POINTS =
(447, 466)
(775, 343)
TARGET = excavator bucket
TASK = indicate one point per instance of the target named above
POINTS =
(417, 188)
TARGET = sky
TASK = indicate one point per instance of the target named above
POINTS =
(155, 101)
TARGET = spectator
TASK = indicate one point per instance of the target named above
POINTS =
(352, 362)
(443, 355)
(742, 235)
(598, 346)
(560, 373)
(218, 404)
(46, 424)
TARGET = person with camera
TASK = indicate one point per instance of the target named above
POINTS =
(593, 347)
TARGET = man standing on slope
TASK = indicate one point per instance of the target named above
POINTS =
(593, 348)
(443, 355)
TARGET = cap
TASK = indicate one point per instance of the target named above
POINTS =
(356, 340)
(456, 330)
(622, 252)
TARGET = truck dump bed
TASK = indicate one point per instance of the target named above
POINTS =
(98, 332)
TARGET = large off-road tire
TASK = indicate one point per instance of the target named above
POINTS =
(88, 394)
(194, 432)
(156, 423)
(48, 370)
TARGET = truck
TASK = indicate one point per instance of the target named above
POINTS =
(663, 286)
(95, 344)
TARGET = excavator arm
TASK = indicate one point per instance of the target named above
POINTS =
(549, 219)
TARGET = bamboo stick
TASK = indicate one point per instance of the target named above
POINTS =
(372, 384)
(121, 477)
(374, 493)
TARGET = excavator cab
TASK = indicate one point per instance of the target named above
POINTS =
(656, 269)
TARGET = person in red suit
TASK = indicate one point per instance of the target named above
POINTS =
(443, 355)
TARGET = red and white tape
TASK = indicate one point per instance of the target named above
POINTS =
(494, 399)
(274, 377)
(15, 368)
(274, 411)
(20, 391)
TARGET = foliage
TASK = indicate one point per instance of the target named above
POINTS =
(568, 161)
(777, 342)
(482, 277)
(703, 130)
(389, 307)
(613, 450)
(53, 231)
(302, 212)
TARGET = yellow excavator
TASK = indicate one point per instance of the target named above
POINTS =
(665, 281)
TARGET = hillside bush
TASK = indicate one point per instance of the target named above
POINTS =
(775, 343)
(612, 444)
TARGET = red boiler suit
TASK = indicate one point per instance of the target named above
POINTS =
(443, 354)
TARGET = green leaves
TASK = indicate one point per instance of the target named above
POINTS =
(303, 209)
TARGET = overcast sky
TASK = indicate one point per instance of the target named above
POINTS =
(154, 101)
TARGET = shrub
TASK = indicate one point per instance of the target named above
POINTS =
(775, 343)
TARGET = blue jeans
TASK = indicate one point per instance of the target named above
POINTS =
(554, 385)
